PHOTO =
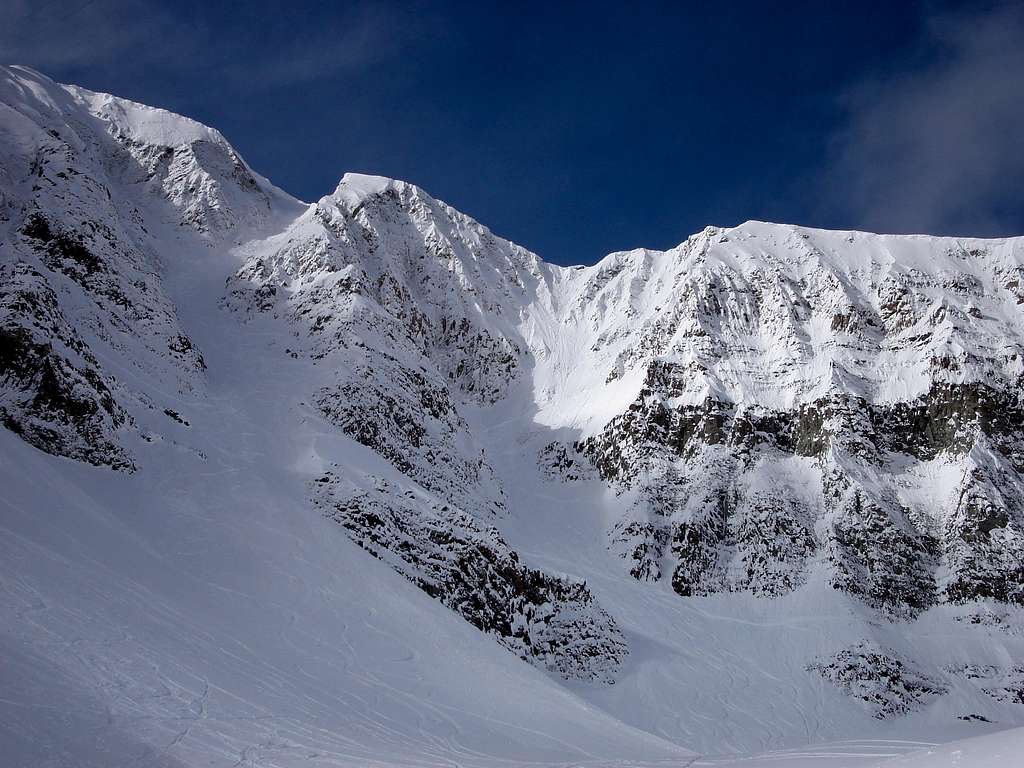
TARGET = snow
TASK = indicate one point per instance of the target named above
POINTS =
(356, 187)
(992, 751)
(181, 634)
(146, 124)
(997, 750)
(201, 612)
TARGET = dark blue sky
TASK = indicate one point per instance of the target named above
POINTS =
(578, 129)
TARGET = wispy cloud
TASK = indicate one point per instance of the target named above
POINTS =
(266, 47)
(353, 41)
(939, 148)
(55, 34)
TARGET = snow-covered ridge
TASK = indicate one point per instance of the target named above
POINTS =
(760, 490)
(149, 125)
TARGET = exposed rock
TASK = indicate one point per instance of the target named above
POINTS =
(550, 621)
(559, 462)
(53, 394)
(409, 417)
(1009, 688)
(888, 686)
(875, 546)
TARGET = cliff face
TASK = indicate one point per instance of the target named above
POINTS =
(800, 406)
(92, 191)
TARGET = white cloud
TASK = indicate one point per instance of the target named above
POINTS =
(940, 149)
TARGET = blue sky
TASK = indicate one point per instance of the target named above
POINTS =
(577, 129)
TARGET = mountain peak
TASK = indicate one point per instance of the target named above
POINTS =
(25, 89)
(354, 188)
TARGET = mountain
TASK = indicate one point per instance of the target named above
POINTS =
(289, 482)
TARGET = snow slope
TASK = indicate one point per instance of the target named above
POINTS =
(290, 484)
(196, 615)
(989, 751)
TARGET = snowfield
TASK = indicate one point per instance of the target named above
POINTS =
(359, 483)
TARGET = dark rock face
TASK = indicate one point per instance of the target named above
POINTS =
(1010, 689)
(58, 397)
(549, 621)
(53, 394)
(409, 418)
(887, 685)
(559, 462)
(1000, 683)
(80, 283)
(477, 362)
(984, 546)
(876, 554)
(705, 511)
(775, 538)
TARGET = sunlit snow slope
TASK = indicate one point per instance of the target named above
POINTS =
(360, 483)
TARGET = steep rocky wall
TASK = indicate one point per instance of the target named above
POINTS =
(702, 469)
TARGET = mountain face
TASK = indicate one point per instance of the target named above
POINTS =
(85, 177)
(826, 399)
(768, 419)
(800, 392)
